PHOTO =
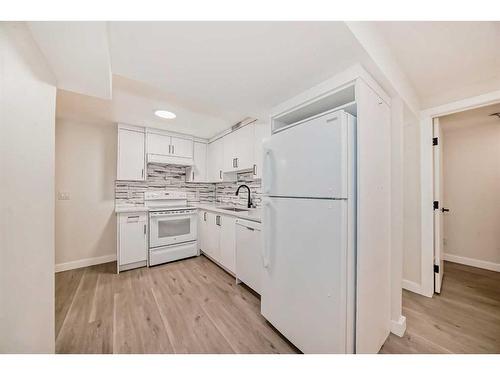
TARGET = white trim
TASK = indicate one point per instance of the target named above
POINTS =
(399, 327)
(427, 178)
(472, 262)
(84, 262)
(412, 286)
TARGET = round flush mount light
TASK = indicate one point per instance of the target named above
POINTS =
(165, 114)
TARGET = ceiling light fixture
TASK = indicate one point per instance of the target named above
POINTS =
(165, 114)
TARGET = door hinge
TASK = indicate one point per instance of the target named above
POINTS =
(436, 268)
(435, 141)
(436, 205)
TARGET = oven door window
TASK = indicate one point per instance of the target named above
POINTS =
(174, 227)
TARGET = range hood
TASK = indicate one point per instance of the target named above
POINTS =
(172, 160)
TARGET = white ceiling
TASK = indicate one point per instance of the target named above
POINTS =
(78, 53)
(213, 74)
(134, 103)
(232, 69)
(446, 61)
(472, 117)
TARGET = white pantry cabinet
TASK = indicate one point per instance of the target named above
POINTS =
(198, 172)
(215, 160)
(131, 163)
(216, 238)
(132, 245)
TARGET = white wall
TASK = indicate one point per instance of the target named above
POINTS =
(471, 157)
(86, 169)
(412, 201)
(27, 110)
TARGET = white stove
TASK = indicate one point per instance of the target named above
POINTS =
(172, 226)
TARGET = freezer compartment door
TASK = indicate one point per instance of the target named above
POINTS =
(308, 160)
(307, 272)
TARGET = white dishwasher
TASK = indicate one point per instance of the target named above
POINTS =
(248, 253)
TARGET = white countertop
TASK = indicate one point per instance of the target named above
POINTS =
(253, 214)
(124, 208)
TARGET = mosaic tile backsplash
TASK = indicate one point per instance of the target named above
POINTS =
(171, 177)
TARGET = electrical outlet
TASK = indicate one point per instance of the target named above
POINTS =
(63, 196)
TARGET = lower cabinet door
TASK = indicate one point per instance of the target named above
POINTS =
(212, 236)
(228, 242)
(133, 244)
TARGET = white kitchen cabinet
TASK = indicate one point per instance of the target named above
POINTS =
(202, 230)
(164, 144)
(182, 147)
(198, 172)
(132, 246)
(131, 159)
(239, 149)
(262, 131)
(227, 244)
(215, 160)
(216, 238)
(212, 237)
(248, 253)
(158, 144)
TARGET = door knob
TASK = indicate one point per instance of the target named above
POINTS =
(445, 209)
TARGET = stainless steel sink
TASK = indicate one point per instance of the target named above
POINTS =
(234, 209)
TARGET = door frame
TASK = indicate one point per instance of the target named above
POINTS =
(427, 179)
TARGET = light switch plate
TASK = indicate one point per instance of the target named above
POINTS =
(63, 196)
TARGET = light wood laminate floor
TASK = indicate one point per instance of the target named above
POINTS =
(193, 306)
(464, 318)
(190, 306)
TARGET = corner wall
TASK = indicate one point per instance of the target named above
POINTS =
(86, 170)
(27, 121)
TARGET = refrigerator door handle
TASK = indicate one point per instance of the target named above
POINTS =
(267, 232)
(267, 171)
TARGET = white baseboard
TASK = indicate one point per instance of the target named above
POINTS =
(412, 286)
(472, 262)
(84, 262)
(398, 327)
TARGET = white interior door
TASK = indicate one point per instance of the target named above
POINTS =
(438, 213)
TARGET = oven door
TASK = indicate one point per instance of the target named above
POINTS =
(171, 228)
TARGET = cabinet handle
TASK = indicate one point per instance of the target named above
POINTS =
(204, 216)
(144, 229)
(220, 175)
(252, 229)
(254, 169)
(142, 173)
(173, 149)
(192, 175)
(169, 149)
(217, 220)
(236, 162)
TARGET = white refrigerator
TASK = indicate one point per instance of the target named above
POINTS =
(308, 283)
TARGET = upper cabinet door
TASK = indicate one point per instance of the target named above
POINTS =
(158, 144)
(215, 160)
(244, 147)
(182, 147)
(131, 158)
(229, 142)
(198, 172)
(262, 131)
